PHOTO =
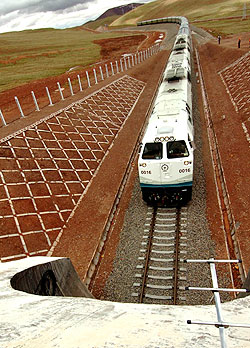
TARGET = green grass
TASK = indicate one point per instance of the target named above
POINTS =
(34, 54)
(225, 27)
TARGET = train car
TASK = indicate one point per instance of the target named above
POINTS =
(166, 158)
(167, 151)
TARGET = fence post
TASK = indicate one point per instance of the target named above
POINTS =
(117, 70)
(48, 94)
(139, 58)
(19, 107)
(60, 90)
(112, 69)
(129, 62)
(2, 118)
(79, 81)
(133, 60)
(35, 101)
(70, 86)
(121, 65)
(96, 82)
(125, 63)
(101, 72)
(107, 70)
(87, 74)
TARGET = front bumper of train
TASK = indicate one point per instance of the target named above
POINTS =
(164, 195)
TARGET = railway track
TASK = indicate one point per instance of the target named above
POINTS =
(160, 273)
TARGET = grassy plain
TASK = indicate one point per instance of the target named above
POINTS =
(225, 26)
(34, 54)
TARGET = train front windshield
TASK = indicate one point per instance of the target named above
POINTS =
(152, 151)
(177, 149)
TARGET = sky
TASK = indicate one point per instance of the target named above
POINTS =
(18, 15)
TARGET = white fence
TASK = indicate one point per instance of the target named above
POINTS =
(92, 77)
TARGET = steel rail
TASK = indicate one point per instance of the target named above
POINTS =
(147, 259)
(176, 261)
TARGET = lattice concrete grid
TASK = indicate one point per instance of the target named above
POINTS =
(236, 79)
(45, 168)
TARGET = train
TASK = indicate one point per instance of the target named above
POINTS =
(166, 158)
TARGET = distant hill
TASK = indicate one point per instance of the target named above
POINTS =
(193, 10)
(100, 23)
(215, 16)
(110, 16)
(119, 11)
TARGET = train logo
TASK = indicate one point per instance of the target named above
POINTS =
(164, 167)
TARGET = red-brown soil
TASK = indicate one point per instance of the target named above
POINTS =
(112, 48)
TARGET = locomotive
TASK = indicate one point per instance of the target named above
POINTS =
(166, 157)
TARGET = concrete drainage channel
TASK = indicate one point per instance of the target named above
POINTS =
(222, 193)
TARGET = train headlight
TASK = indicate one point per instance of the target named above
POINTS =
(187, 163)
(143, 165)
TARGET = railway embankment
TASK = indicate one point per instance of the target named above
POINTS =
(225, 73)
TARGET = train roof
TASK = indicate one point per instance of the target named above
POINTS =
(179, 55)
(173, 126)
(180, 65)
(171, 99)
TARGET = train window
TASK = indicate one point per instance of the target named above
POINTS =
(176, 149)
(152, 151)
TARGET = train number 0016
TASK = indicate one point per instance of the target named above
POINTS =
(145, 171)
(186, 170)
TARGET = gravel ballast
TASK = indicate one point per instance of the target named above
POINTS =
(200, 245)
